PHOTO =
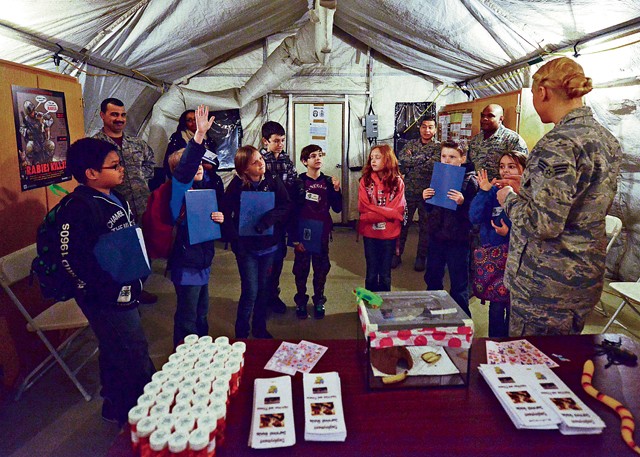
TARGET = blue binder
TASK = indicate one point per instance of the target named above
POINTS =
(445, 177)
(254, 205)
(200, 204)
(122, 254)
(310, 234)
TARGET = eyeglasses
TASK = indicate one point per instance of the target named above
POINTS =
(113, 167)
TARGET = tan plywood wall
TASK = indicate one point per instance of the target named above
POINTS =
(21, 212)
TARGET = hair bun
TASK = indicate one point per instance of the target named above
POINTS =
(576, 85)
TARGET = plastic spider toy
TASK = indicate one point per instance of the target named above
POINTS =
(616, 355)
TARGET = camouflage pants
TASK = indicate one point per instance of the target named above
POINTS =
(301, 269)
(535, 313)
(423, 234)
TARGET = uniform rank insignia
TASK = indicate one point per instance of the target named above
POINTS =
(550, 171)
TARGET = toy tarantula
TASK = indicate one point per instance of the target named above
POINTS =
(616, 355)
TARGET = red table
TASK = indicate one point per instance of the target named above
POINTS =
(452, 421)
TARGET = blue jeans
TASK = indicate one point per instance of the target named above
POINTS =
(125, 365)
(255, 272)
(192, 310)
(455, 256)
(378, 255)
(276, 270)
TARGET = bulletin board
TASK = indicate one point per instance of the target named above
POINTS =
(519, 115)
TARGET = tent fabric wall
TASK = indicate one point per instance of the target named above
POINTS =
(440, 51)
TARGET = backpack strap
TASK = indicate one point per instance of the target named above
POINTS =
(94, 207)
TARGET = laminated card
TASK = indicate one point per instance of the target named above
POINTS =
(272, 416)
(323, 413)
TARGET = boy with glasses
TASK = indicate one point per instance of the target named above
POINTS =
(109, 305)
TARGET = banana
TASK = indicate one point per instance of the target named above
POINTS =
(395, 378)
(430, 357)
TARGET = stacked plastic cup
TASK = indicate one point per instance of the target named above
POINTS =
(136, 414)
(144, 429)
(158, 442)
(178, 444)
(208, 423)
(198, 443)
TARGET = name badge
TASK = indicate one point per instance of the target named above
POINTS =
(380, 226)
(125, 295)
(313, 197)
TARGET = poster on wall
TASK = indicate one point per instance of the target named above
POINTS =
(42, 135)
(455, 126)
(407, 116)
(226, 135)
(318, 125)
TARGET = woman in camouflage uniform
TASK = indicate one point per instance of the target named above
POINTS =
(557, 254)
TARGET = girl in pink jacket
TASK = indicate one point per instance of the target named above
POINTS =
(381, 204)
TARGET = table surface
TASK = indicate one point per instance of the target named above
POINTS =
(452, 421)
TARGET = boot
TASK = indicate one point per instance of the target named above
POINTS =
(420, 263)
(318, 307)
(302, 302)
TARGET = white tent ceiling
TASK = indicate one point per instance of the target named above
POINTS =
(484, 46)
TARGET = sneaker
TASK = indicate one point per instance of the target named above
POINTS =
(278, 306)
(262, 334)
(396, 261)
(301, 311)
(147, 298)
(420, 264)
(318, 310)
(109, 412)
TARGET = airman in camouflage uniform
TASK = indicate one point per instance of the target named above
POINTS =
(416, 164)
(557, 251)
(136, 156)
(487, 146)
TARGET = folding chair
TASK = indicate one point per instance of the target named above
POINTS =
(59, 316)
(613, 229)
(630, 293)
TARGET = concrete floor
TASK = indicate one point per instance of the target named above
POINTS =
(52, 419)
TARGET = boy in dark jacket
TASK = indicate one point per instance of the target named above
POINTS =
(190, 264)
(449, 231)
(110, 306)
(319, 194)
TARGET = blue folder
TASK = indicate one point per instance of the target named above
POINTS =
(445, 177)
(254, 205)
(200, 204)
(121, 254)
(310, 234)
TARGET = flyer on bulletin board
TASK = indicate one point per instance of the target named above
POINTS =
(42, 136)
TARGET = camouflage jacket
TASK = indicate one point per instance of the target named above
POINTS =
(416, 164)
(558, 236)
(138, 160)
(485, 154)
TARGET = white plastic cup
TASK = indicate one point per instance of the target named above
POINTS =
(201, 365)
(239, 346)
(135, 415)
(184, 396)
(159, 409)
(160, 376)
(170, 367)
(185, 423)
(146, 400)
(158, 440)
(222, 340)
(200, 399)
(209, 423)
(206, 339)
(191, 339)
(152, 388)
(198, 442)
(165, 398)
(144, 429)
(178, 442)
(165, 422)
(181, 408)
(171, 386)
(202, 387)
